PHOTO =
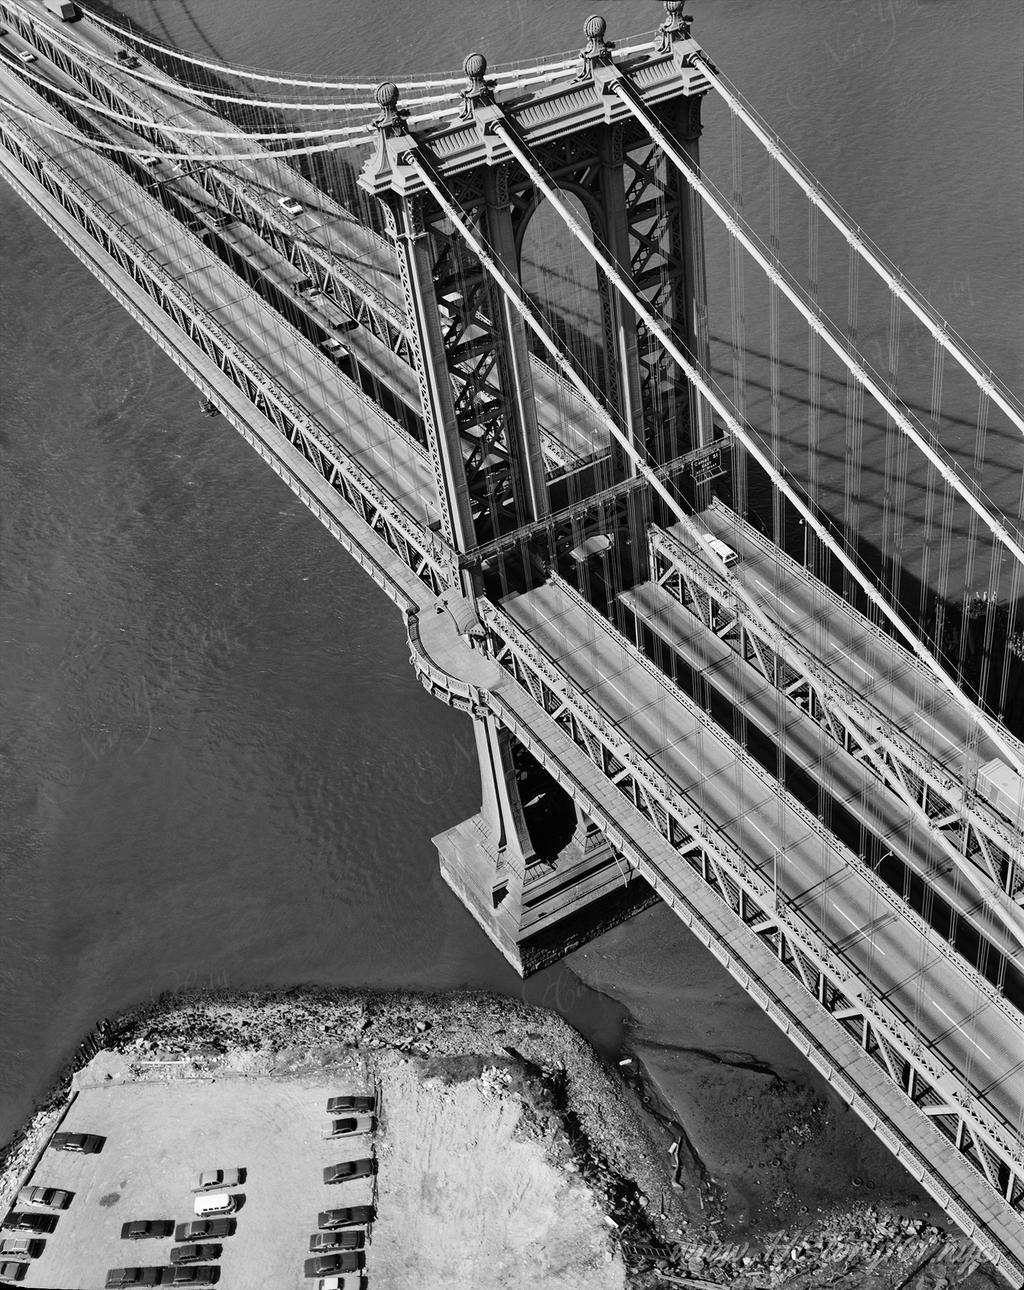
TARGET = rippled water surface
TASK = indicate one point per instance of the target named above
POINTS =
(217, 765)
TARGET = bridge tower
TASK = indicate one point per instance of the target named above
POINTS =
(527, 480)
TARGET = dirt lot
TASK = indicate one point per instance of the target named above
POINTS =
(466, 1201)
(508, 1155)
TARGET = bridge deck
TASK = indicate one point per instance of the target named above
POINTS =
(366, 435)
(846, 780)
(960, 1022)
(874, 665)
(568, 433)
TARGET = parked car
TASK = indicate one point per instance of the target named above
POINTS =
(138, 1229)
(352, 1102)
(218, 1179)
(353, 1124)
(87, 1143)
(182, 1254)
(325, 1263)
(349, 1169)
(21, 1247)
(18, 1221)
(26, 56)
(216, 1204)
(355, 1281)
(117, 1277)
(149, 161)
(45, 1197)
(194, 1276)
(290, 206)
(11, 1272)
(205, 1228)
(322, 1242)
(329, 1219)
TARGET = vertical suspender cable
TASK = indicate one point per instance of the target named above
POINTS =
(992, 899)
(748, 440)
(813, 192)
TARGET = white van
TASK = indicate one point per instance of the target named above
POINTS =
(724, 552)
(213, 1204)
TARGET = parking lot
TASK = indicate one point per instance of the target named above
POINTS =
(159, 1137)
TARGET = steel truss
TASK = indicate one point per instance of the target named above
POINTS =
(469, 313)
(654, 208)
(710, 859)
(244, 201)
(430, 560)
(959, 819)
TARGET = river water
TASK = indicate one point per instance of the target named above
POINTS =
(218, 768)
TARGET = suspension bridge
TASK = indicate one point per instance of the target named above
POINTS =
(726, 572)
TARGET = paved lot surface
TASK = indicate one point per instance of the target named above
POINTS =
(160, 1136)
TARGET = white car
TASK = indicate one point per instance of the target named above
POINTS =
(724, 552)
(290, 206)
(26, 56)
(353, 1281)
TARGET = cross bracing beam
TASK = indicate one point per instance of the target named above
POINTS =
(420, 549)
(738, 882)
(963, 823)
(415, 159)
(232, 191)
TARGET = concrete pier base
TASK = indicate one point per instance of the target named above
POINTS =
(557, 908)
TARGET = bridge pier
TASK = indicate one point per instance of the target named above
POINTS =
(536, 901)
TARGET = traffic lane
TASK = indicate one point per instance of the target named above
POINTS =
(340, 232)
(365, 436)
(879, 673)
(796, 866)
(846, 779)
(946, 1008)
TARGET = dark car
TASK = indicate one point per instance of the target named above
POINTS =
(322, 1242)
(194, 1253)
(17, 1220)
(219, 1179)
(202, 1228)
(352, 1124)
(352, 1102)
(138, 1229)
(47, 1197)
(329, 1219)
(325, 1263)
(349, 1169)
(195, 1276)
(117, 1277)
(87, 1143)
(11, 1272)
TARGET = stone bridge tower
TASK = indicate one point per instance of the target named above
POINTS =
(525, 477)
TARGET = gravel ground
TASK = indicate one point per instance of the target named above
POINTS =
(556, 1138)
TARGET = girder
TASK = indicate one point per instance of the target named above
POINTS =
(959, 818)
(736, 880)
(417, 546)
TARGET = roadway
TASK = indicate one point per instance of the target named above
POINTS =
(365, 434)
(844, 778)
(345, 246)
(875, 667)
(951, 1011)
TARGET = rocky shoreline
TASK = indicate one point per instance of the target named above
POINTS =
(590, 1117)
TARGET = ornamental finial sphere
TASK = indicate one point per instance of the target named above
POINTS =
(475, 66)
(595, 27)
(386, 94)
